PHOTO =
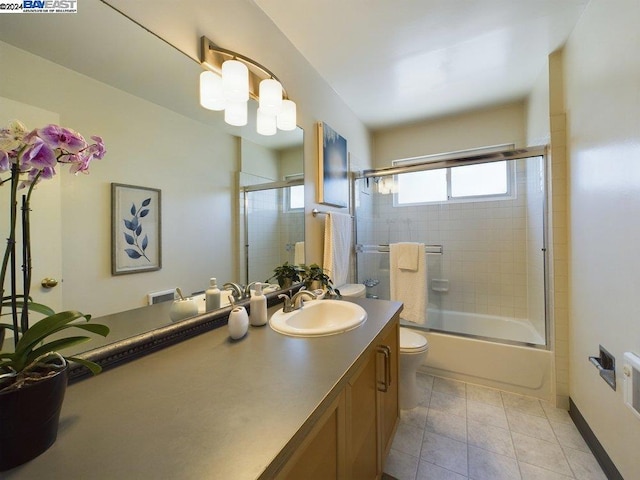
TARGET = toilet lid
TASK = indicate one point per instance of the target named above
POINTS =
(411, 341)
(351, 289)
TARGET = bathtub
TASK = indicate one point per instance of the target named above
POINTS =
(473, 355)
(486, 326)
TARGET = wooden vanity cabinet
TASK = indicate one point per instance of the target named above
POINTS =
(352, 438)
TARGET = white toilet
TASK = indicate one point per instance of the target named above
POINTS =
(413, 351)
(353, 290)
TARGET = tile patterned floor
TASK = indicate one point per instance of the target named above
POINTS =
(464, 431)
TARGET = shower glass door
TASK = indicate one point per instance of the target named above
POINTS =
(483, 225)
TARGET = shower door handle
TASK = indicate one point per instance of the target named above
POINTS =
(386, 352)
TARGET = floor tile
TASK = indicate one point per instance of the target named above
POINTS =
(484, 395)
(556, 414)
(429, 471)
(424, 381)
(451, 426)
(445, 452)
(449, 386)
(494, 439)
(531, 472)
(408, 439)
(569, 436)
(487, 414)
(584, 465)
(530, 405)
(450, 404)
(401, 465)
(538, 427)
(416, 416)
(540, 453)
(485, 465)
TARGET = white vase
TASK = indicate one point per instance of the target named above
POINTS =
(238, 323)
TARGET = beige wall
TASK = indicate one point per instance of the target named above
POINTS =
(480, 128)
(602, 88)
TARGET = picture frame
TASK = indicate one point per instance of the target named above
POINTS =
(136, 229)
(333, 180)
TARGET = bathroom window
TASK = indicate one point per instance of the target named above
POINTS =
(466, 183)
(480, 182)
(294, 198)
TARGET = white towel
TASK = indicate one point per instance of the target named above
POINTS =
(298, 254)
(409, 286)
(409, 255)
(337, 247)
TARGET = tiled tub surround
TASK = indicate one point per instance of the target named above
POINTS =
(464, 431)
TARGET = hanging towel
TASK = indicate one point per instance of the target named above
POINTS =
(337, 247)
(409, 255)
(298, 254)
(409, 286)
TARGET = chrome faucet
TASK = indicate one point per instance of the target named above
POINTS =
(295, 303)
(237, 291)
(247, 290)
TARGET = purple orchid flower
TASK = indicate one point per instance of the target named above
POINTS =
(5, 164)
(62, 138)
(39, 155)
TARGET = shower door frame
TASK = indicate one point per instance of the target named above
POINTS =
(458, 159)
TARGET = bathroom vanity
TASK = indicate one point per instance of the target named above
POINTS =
(266, 406)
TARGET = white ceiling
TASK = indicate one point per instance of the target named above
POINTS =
(397, 61)
(391, 61)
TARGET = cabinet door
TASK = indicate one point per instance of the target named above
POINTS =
(321, 454)
(362, 427)
(388, 404)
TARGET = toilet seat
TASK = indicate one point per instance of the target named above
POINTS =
(411, 342)
(352, 290)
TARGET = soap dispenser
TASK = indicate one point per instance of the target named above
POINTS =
(212, 296)
(258, 307)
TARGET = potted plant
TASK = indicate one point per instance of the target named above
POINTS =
(33, 375)
(315, 278)
(286, 275)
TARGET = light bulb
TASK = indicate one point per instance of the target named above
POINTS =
(235, 81)
(265, 123)
(211, 95)
(270, 96)
(286, 119)
(235, 113)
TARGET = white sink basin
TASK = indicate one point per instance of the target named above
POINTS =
(318, 318)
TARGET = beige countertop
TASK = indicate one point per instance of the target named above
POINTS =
(207, 407)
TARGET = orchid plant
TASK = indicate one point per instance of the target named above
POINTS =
(26, 158)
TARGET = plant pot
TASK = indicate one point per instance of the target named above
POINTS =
(316, 285)
(29, 419)
(285, 283)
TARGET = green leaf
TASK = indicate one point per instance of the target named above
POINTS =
(96, 328)
(56, 345)
(36, 307)
(94, 367)
(46, 327)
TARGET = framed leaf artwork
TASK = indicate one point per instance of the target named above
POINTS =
(136, 240)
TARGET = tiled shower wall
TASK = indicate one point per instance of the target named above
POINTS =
(273, 232)
(491, 249)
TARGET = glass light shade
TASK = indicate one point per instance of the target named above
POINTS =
(265, 123)
(235, 81)
(287, 117)
(235, 113)
(270, 96)
(211, 95)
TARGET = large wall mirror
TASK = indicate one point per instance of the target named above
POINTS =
(101, 74)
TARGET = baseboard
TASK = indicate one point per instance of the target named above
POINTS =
(608, 467)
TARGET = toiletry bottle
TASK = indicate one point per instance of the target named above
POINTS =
(212, 296)
(258, 307)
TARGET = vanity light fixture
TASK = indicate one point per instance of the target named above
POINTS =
(230, 79)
